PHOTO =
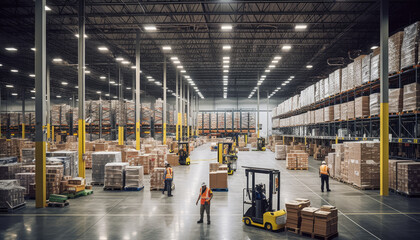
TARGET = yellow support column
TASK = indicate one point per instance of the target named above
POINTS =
(246, 139)
(23, 131)
(164, 134)
(305, 140)
(384, 149)
(48, 132)
(137, 135)
(40, 174)
(82, 135)
(283, 140)
(177, 126)
(336, 139)
(188, 132)
(52, 133)
(180, 130)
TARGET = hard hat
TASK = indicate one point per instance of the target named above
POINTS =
(203, 184)
(323, 162)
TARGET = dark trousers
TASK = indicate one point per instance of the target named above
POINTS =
(326, 179)
(168, 186)
(206, 207)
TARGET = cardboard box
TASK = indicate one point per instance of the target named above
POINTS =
(361, 106)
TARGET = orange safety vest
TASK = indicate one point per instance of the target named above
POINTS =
(323, 169)
(168, 173)
(205, 197)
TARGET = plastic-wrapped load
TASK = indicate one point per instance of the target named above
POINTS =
(156, 179)
(236, 120)
(366, 69)
(276, 123)
(350, 76)
(206, 121)
(321, 89)
(281, 152)
(375, 67)
(394, 51)
(326, 88)
(319, 115)
(395, 100)
(114, 175)
(11, 194)
(331, 163)
(252, 123)
(350, 110)
(99, 160)
(8, 171)
(73, 169)
(374, 100)
(343, 108)
(130, 107)
(344, 79)
(329, 114)
(28, 154)
(361, 106)
(228, 120)
(331, 84)
(411, 95)
(274, 112)
(409, 48)
(200, 120)
(146, 113)
(337, 81)
(221, 120)
(25, 179)
(357, 70)
(213, 124)
(158, 107)
(134, 177)
(317, 91)
(337, 111)
(244, 120)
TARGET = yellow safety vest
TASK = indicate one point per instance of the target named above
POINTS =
(323, 169)
(168, 173)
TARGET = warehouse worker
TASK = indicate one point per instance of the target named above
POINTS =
(168, 176)
(324, 173)
(206, 195)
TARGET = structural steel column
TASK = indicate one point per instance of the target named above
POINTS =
(181, 107)
(40, 106)
(138, 91)
(188, 111)
(268, 114)
(384, 114)
(164, 100)
(258, 112)
(49, 127)
(81, 90)
(23, 114)
(177, 104)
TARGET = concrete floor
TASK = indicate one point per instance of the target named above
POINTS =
(151, 215)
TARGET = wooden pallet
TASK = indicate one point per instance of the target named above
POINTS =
(314, 235)
(58, 204)
(113, 188)
(298, 168)
(14, 208)
(133, 188)
(220, 189)
(96, 184)
(365, 188)
(291, 229)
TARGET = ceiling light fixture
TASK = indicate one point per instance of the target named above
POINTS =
(14, 70)
(226, 47)
(267, 70)
(102, 48)
(102, 77)
(226, 61)
(301, 26)
(166, 48)
(58, 96)
(87, 72)
(174, 58)
(277, 57)
(133, 67)
(286, 47)
(374, 47)
(119, 59)
(125, 62)
(33, 49)
(179, 66)
(9, 86)
(225, 66)
(77, 35)
(57, 60)
(177, 62)
(226, 58)
(32, 75)
(225, 71)
(64, 83)
(150, 28)
(226, 27)
(14, 94)
(309, 66)
(183, 71)
(112, 82)
(275, 61)
(272, 66)
(47, 8)
(11, 49)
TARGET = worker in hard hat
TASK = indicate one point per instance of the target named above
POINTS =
(168, 177)
(324, 173)
(206, 195)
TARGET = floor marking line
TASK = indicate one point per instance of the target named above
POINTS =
(330, 204)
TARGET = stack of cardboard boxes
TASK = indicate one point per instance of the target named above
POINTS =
(339, 158)
(53, 178)
(362, 107)
(408, 178)
(394, 52)
(330, 159)
(293, 209)
(308, 218)
(393, 167)
(411, 97)
(218, 176)
(157, 181)
(326, 221)
(297, 159)
(99, 160)
(134, 177)
(114, 175)
(8, 171)
(395, 100)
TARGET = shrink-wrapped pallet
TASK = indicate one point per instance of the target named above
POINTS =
(213, 124)
(366, 69)
(327, 92)
(409, 48)
(395, 100)
(25, 179)
(344, 79)
(281, 152)
(99, 160)
(338, 158)
(337, 81)
(9, 170)
(329, 114)
(374, 107)
(331, 163)
(408, 178)
(221, 120)
(236, 120)
(200, 120)
(206, 124)
(11, 194)
(343, 108)
(319, 115)
(252, 121)
(411, 97)
(114, 175)
(393, 166)
(156, 179)
(350, 110)
(68, 158)
(375, 67)
(350, 76)
(361, 106)
(337, 111)
(244, 120)
(321, 89)
(394, 52)
(357, 70)
(317, 91)
(134, 177)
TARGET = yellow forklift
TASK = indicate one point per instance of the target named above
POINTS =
(226, 154)
(261, 212)
(260, 144)
(184, 153)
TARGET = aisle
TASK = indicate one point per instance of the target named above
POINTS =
(151, 215)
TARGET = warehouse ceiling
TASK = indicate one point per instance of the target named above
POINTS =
(261, 31)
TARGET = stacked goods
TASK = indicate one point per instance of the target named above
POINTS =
(9, 170)
(213, 167)
(326, 88)
(361, 106)
(337, 81)
(207, 121)
(53, 179)
(394, 51)
(308, 218)
(409, 48)
(134, 177)
(11, 194)
(131, 112)
(411, 97)
(145, 162)
(27, 155)
(158, 111)
(213, 123)
(344, 79)
(298, 160)
(350, 110)
(27, 169)
(25, 179)
(252, 122)
(172, 159)
(393, 166)
(100, 147)
(281, 152)
(339, 158)
(127, 153)
(337, 111)
(200, 120)
(343, 108)
(228, 120)
(153, 158)
(326, 221)
(395, 100)
(146, 113)
(236, 120)
(319, 115)
(99, 160)
(87, 157)
(69, 158)
(329, 114)
(293, 209)
(156, 179)
(366, 69)
(350, 76)
(221, 120)
(408, 178)
(363, 164)
(374, 65)
(114, 175)
(331, 163)
(374, 107)
(357, 67)
(218, 179)
(94, 112)
(344, 171)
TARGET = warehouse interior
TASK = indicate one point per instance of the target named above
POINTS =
(251, 106)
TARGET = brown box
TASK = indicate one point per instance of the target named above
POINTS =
(213, 180)
(361, 106)
(350, 110)
(99, 147)
(213, 167)
(411, 97)
(329, 114)
(394, 51)
(337, 111)
(172, 159)
(395, 100)
(374, 104)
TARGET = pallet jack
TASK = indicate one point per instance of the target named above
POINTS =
(261, 212)
(226, 154)
(184, 153)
